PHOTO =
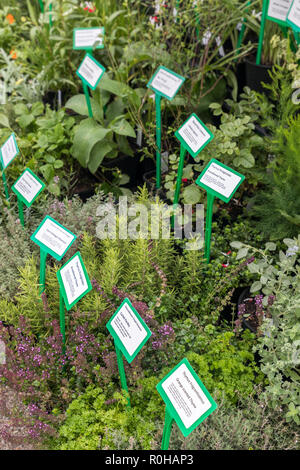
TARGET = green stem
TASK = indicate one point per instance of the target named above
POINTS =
(43, 256)
(122, 374)
(5, 184)
(179, 180)
(167, 431)
(208, 224)
(62, 319)
(262, 31)
(87, 97)
(21, 212)
(158, 140)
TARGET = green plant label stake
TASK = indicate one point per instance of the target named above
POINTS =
(8, 152)
(88, 39)
(293, 18)
(193, 136)
(90, 72)
(74, 283)
(41, 5)
(166, 84)
(27, 188)
(220, 181)
(130, 333)
(188, 403)
(53, 239)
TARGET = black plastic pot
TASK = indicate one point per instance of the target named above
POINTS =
(255, 75)
(149, 178)
(126, 164)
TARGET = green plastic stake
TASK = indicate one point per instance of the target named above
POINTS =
(262, 31)
(122, 374)
(167, 431)
(179, 179)
(21, 212)
(158, 139)
(5, 184)
(41, 5)
(50, 16)
(43, 257)
(87, 98)
(62, 319)
(208, 225)
(179, 174)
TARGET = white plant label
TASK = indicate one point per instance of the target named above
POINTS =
(194, 134)
(28, 186)
(278, 9)
(73, 278)
(55, 237)
(9, 150)
(186, 395)
(166, 83)
(221, 180)
(86, 38)
(129, 329)
(90, 71)
(294, 15)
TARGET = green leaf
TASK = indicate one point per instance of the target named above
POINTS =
(270, 246)
(78, 104)
(236, 245)
(97, 154)
(256, 286)
(122, 127)
(245, 159)
(25, 120)
(47, 172)
(4, 120)
(20, 109)
(191, 194)
(37, 109)
(58, 164)
(242, 253)
(54, 189)
(87, 134)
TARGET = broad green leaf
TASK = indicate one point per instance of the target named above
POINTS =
(25, 120)
(122, 127)
(87, 134)
(97, 154)
(191, 194)
(78, 104)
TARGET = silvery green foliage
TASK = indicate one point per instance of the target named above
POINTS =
(278, 277)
